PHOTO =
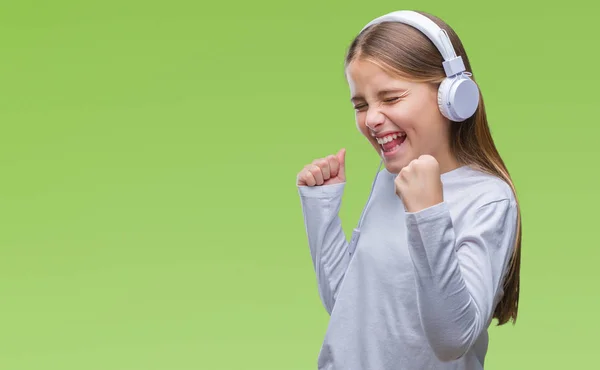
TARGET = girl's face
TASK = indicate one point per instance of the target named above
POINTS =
(401, 119)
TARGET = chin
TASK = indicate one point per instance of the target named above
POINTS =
(395, 163)
(393, 166)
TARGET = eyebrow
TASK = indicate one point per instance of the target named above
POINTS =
(381, 93)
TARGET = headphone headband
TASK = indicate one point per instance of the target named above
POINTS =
(452, 64)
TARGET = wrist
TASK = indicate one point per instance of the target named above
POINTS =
(322, 191)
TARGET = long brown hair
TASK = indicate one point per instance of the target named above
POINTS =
(403, 51)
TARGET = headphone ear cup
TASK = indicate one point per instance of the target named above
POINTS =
(443, 98)
(458, 98)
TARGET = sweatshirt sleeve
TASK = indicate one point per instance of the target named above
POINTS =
(326, 239)
(458, 276)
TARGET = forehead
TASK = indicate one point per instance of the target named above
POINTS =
(365, 77)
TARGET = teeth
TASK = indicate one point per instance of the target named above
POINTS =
(389, 138)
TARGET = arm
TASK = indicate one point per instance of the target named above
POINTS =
(457, 278)
(326, 239)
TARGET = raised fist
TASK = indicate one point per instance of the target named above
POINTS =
(324, 171)
(419, 184)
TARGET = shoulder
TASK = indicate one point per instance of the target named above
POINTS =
(475, 194)
(482, 204)
(481, 187)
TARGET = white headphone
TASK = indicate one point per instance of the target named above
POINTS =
(458, 94)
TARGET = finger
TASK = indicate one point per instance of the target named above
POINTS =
(300, 179)
(341, 157)
(316, 172)
(334, 165)
(308, 178)
(399, 185)
(404, 172)
(399, 180)
(323, 164)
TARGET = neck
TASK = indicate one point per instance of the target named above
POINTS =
(447, 161)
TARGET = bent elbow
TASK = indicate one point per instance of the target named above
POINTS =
(451, 345)
(449, 351)
(452, 342)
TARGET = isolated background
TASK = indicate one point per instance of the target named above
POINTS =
(148, 212)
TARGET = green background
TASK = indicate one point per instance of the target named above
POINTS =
(149, 215)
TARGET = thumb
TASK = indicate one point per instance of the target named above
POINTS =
(341, 157)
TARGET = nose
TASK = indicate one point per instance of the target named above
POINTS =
(374, 119)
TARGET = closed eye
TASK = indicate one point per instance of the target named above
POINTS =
(388, 101)
(391, 100)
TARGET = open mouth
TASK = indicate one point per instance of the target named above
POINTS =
(391, 142)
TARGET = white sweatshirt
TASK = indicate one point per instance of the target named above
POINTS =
(418, 289)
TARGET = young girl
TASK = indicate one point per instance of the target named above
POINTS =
(436, 255)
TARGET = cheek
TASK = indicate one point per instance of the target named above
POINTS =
(426, 135)
(421, 124)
